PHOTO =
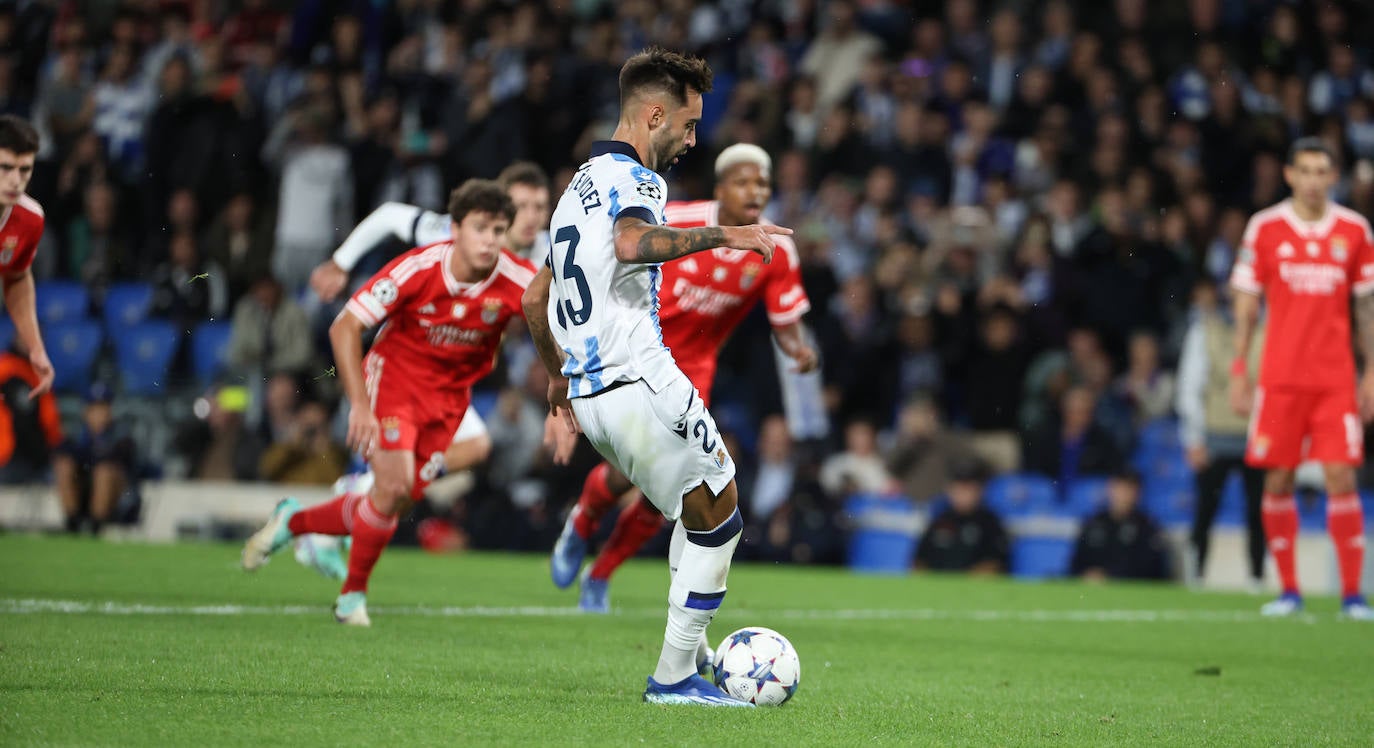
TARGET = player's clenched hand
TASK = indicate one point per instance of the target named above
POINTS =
(1367, 397)
(1241, 392)
(328, 280)
(43, 368)
(756, 238)
(805, 358)
(362, 430)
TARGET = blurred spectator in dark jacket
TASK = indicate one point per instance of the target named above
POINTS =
(30, 428)
(1073, 444)
(240, 243)
(188, 289)
(216, 443)
(965, 535)
(96, 471)
(1121, 541)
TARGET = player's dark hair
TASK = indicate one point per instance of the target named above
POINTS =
(657, 69)
(17, 136)
(480, 196)
(1310, 144)
(527, 173)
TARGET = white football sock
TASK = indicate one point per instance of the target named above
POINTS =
(695, 594)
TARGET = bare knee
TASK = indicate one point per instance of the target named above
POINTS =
(1278, 482)
(1340, 479)
(702, 510)
(391, 494)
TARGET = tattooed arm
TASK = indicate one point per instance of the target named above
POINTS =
(535, 304)
(638, 241)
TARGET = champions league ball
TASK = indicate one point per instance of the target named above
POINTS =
(758, 665)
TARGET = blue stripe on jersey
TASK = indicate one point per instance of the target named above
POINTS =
(655, 278)
(614, 210)
(592, 369)
(570, 370)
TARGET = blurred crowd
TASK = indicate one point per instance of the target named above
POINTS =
(1005, 209)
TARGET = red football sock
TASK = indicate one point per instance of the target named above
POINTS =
(1345, 523)
(595, 501)
(372, 530)
(637, 525)
(333, 517)
(1281, 529)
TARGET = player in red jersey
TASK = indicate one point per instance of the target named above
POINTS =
(21, 226)
(1305, 257)
(703, 299)
(445, 307)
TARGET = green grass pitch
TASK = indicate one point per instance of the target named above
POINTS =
(122, 644)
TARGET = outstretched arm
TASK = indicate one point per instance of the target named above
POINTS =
(638, 241)
(389, 221)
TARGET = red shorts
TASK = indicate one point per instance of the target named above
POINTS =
(1289, 426)
(702, 375)
(423, 424)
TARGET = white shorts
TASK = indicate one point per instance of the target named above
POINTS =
(665, 442)
(471, 427)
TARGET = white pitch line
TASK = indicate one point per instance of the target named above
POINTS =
(26, 606)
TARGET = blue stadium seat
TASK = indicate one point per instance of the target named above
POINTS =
(1019, 494)
(61, 301)
(1041, 557)
(1161, 434)
(884, 537)
(144, 355)
(127, 304)
(1085, 497)
(1170, 501)
(210, 349)
(6, 332)
(1311, 510)
(72, 347)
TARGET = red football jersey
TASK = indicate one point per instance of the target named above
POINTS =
(442, 333)
(20, 229)
(1306, 273)
(704, 296)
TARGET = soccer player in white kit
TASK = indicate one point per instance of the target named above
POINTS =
(593, 314)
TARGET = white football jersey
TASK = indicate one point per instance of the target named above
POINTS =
(604, 313)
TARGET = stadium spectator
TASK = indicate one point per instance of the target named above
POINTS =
(306, 454)
(1074, 444)
(1212, 434)
(1146, 386)
(239, 242)
(775, 473)
(923, 450)
(188, 289)
(965, 536)
(96, 472)
(859, 468)
(1121, 541)
(315, 207)
(270, 332)
(216, 443)
(30, 428)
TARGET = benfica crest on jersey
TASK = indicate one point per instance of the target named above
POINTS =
(7, 251)
(748, 276)
(391, 429)
(491, 311)
(1339, 249)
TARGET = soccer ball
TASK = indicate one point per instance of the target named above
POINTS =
(758, 665)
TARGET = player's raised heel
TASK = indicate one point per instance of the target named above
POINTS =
(274, 536)
(693, 689)
(351, 609)
(1287, 604)
(594, 595)
(567, 556)
(1355, 608)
